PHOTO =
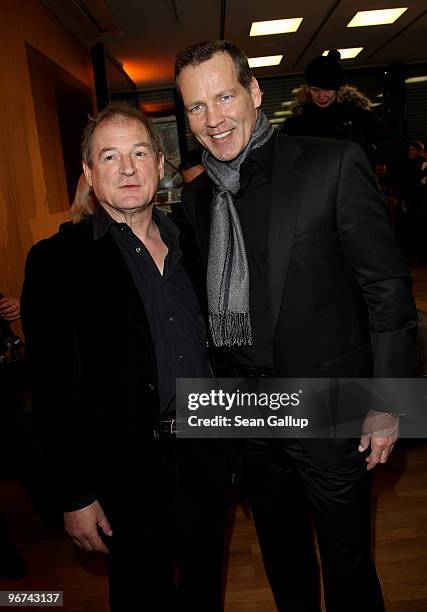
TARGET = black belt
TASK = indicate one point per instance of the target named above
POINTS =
(168, 426)
(253, 372)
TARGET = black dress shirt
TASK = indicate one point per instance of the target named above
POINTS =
(253, 204)
(176, 322)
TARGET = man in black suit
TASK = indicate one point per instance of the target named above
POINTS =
(111, 319)
(304, 279)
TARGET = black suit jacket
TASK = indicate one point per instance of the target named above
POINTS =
(340, 291)
(94, 381)
(92, 367)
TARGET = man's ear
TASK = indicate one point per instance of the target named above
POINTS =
(256, 93)
(88, 173)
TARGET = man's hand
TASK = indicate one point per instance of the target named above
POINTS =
(381, 431)
(9, 309)
(81, 526)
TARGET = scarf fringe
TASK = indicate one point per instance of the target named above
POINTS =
(230, 328)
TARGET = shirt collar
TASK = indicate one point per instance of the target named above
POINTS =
(168, 230)
(258, 161)
(102, 222)
(264, 156)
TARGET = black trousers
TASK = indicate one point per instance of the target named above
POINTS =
(174, 560)
(289, 492)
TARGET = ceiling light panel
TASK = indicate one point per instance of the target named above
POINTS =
(348, 53)
(417, 79)
(267, 60)
(379, 17)
(275, 26)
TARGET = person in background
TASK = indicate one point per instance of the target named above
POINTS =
(192, 165)
(84, 204)
(387, 186)
(417, 197)
(414, 201)
(416, 152)
(9, 309)
(11, 563)
(326, 106)
(304, 279)
(85, 201)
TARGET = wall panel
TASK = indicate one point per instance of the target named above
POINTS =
(26, 215)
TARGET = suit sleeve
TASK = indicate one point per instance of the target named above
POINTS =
(376, 259)
(53, 366)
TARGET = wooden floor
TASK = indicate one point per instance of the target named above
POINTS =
(400, 539)
(400, 546)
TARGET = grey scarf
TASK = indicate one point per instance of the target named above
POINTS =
(228, 271)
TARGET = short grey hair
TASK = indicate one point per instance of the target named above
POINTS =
(113, 111)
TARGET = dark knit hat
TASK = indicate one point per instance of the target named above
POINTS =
(326, 71)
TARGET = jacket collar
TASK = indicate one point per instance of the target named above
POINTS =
(106, 267)
(288, 176)
(287, 187)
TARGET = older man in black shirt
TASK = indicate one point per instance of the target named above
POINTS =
(111, 319)
(176, 323)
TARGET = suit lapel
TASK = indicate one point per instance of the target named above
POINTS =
(111, 273)
(202, 215)
(287, 185)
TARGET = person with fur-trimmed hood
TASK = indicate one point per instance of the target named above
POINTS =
(326, 106)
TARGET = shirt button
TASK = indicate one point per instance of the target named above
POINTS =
(151, 386)
(138, 249)
(181, 356)
(122, 228)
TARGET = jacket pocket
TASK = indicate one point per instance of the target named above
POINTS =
(311, 237)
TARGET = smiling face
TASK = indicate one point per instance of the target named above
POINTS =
(125, 171)
(221, 112)
(322, 97)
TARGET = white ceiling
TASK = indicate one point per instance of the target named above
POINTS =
(145, 35)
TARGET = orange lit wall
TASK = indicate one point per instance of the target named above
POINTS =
(143, 74)
(24, 211)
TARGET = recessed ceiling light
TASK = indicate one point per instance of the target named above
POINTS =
(267, 60)
(418, 79)
(348, 53)
(377, 104)
(371, 18)
(275, 26)
(278, 120)
(288, 102)
(380, 95)
(282, 113)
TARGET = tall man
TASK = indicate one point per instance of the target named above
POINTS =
(304, 279)
(111, 319)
